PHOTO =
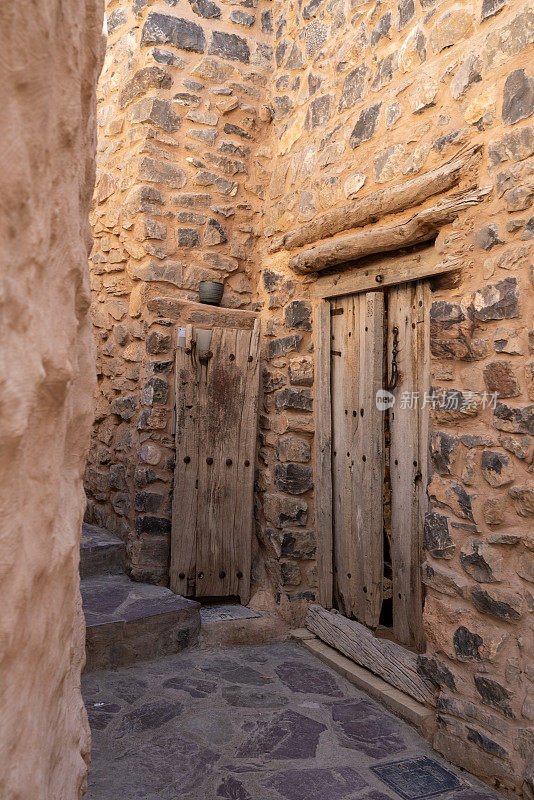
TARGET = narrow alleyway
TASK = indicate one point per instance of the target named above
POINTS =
(254, 723)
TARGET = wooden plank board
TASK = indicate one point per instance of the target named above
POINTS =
(244, 509)
(323, 453)
(217, 404)
(184, 506)
(230, 386)
(396, 665)
(357, 455)
(368, 474)
(408, 314)
(345, 404)
(385, 272)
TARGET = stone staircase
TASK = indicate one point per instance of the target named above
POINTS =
(128, 621)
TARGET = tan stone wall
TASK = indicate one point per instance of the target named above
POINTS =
(48, 71)
(367, 96)
(181, 169)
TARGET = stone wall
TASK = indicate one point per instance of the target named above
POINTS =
(367, 96)
(181, 172)
(50, 61)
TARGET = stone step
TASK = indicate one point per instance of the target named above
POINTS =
(129, 622)
(101, 553)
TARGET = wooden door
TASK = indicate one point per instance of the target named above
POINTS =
(409, 336)
(357, 344)
(216, 423)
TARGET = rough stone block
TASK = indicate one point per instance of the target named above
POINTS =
(293, 478)
(165, 29)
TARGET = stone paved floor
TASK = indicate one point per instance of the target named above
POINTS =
(247, 723)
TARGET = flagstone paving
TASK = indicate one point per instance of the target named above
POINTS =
(253, 723)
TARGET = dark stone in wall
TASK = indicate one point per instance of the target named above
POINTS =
(353, 86)
(518, 97)
(297, 315)
(365, 125)
(444, 449)
(405, 12)
(205, 8)
(488, 236)
(298, 544)
(124, 407)
(319, 112)
(148, 501)
(485, 743)
(493, 694)
(496, 468)
(514, 420)
(285, 344)
(486, 604)
(500, 378)
(381, 29)
(436, 672)
(267, 21)
(164, 29)
(156, 111)
(117, 476)
(466, 644)
(490, 8)
(271, 280)
(436, 537)
(242, 18)
(157, 343)
(297, 399)
(308, 12)
(229, 46)
(187, 237)
(497, 301)
(143, 80)
(117, 18)
(293, 478)
(144, 476)
(155, 526)
(450, 331)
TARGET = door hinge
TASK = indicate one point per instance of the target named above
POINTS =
(335, 312)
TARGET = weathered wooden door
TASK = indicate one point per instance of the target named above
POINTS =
(216, 421)
(357, 454)
(408, 324)
(379, 343)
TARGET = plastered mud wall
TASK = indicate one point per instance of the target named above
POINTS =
(51, 55)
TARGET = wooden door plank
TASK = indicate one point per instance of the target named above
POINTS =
(184, 506)
(393, 663)
(344, 408)
(408, 313)
(368, 471)
(244, 507)
(323, 453)
(227, 434)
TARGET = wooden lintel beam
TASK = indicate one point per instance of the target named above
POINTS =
(421, 227)
(377, 204)
(387, 272)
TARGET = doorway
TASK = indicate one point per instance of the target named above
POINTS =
(379, 385)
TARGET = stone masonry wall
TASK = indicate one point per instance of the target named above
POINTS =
(52, 51)
(181, 170)
(367, 95)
